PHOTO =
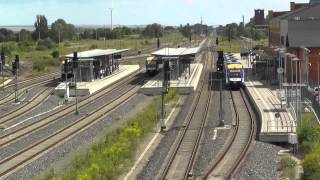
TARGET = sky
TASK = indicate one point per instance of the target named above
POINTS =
(135, 12)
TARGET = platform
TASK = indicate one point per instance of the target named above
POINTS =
(265, 101)
(185, 84)
(87, 88)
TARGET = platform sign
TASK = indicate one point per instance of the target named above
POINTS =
(280, 70)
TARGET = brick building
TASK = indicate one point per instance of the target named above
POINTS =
(299, 29)
(259, 18)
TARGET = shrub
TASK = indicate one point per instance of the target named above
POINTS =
(41, 65)
(93, 46)
(67, 44)
(55, 54)
(26, 46)
(38, 66)
(46, 44)
(311, 166)
(41, 48)
(287, 162)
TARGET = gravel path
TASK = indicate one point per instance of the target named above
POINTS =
(80, 141)
(261, 163)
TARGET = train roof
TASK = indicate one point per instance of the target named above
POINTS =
(235, 66)
(150, 58)
(176, 52)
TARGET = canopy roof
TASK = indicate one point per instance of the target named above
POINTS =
(170, 52)
(96, 53)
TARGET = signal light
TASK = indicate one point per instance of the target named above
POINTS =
(75, 60)
(14, 68)
(3, 59)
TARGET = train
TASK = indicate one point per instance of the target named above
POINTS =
(152, 65)
(234, 74)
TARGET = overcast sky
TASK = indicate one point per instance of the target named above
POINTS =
(135, 12)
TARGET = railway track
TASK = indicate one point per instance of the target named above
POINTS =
(18, 133)
(181, 160)
(26, 85)
(27, 154)
(31, 104)
(230, 158)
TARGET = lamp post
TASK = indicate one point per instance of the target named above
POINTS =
(297, 106)
(306, 60)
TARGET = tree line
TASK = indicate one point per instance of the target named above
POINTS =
(234, 31)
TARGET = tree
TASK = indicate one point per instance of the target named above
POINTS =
(7, 35)
(153, 30)
(41, 26)
(61, 31)
(24, 35)
(186, 30)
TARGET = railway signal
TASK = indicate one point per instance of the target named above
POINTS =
(3, 58)
(75, 69)
(158, 43)
(15, 72)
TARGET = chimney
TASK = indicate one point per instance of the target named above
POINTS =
(292, 6)
(270, 14)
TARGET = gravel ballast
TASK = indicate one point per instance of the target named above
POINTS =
(81, 141)
(261, 163)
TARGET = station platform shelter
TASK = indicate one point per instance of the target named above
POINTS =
(185, 72)
(179, 59)
(93, 64)
(97, 69)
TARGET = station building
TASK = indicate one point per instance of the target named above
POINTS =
(185, 70)
(96, 70)
(93, 64)
(180, 59)
(294, 31)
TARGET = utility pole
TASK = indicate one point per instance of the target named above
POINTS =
(243, 22)
(111, 27)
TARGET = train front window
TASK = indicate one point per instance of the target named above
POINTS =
(234, 74)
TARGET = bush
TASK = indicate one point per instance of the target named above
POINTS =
(67, 44)
(308, 133)
(42, 65)
(55, 54)
(41, 48)
(93, 46)
(46, 44)
(311, 166)
(26, 46)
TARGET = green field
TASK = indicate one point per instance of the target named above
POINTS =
(235, 46)
(37, 62)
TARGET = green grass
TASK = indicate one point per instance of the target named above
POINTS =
(224, 45)
(114, 155)
(309, 140)
(287, 165)
(29, 55)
